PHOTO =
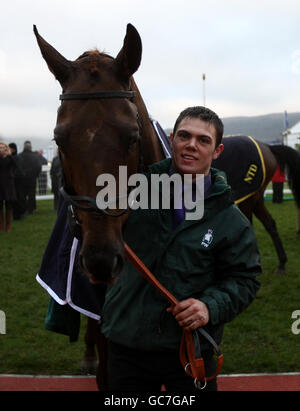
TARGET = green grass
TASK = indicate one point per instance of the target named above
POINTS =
(259, 340)
(27, 348)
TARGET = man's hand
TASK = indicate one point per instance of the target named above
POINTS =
(190, 313)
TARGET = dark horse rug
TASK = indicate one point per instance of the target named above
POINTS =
(61, 276)
(243, 164)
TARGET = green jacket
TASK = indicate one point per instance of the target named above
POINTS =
(220, 272)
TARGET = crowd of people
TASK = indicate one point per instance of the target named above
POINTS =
(19, 176)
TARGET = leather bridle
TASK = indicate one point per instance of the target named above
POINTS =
(98, 95)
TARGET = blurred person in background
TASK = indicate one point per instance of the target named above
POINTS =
(56, 179)
(277, 184)
(18, 206)
(31, 167)
(7, 187)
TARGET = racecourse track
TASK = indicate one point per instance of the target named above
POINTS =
(240, 382)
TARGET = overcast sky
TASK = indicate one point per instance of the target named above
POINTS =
(249, 51)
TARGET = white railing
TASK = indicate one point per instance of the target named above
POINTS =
(285, 191)
(44, 184)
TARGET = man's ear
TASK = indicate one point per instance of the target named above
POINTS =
(218, 151)
(171, 137)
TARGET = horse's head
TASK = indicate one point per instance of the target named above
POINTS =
(97, 130)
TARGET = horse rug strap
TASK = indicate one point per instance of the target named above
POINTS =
(243, 163)
(190, 350)
(162, 138)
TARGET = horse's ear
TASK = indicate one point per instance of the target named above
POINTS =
(129, 57)
(58, 64)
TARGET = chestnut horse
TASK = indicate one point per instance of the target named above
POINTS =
(102, 123)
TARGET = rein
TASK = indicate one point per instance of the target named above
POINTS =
(190, 350)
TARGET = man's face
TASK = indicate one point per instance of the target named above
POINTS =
(194, 146)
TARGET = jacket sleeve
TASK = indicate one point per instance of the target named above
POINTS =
(237, 265)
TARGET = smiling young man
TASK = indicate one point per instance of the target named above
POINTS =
(210, 265)
(196, 143)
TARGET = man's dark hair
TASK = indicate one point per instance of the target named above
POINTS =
(27, 146)
(205, 114)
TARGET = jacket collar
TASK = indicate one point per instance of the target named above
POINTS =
(220, 196)
(218, 178)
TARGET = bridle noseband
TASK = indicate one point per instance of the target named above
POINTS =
(90, 202)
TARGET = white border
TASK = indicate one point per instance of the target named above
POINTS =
(69, 285)
(260, 375)
(45, 376)
(50, 291)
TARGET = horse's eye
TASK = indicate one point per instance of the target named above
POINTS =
(132, 140)
(59, 140)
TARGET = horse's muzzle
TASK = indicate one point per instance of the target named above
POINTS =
(101, 266)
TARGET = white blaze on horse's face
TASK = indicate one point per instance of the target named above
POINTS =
(90, 133)
(194, 146)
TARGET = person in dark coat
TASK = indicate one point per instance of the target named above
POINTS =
(19, 208)
(7, 187)
(32, 167)
(56, 179)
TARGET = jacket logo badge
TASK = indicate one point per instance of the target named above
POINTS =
(207, 238)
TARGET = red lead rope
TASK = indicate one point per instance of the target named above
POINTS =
(193, 364)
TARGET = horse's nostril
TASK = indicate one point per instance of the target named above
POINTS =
(117, 265)
(100, 266)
